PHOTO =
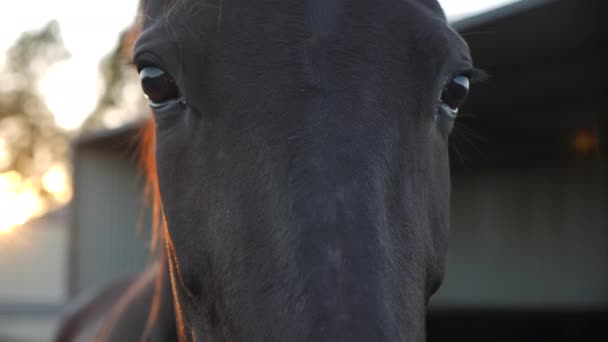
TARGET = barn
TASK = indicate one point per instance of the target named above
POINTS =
(528, 255)
(529, 243)
(33, 275)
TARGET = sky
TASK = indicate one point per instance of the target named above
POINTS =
(90, 30)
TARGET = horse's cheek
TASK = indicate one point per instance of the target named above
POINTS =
(439, 214)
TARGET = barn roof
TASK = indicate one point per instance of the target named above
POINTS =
(112, 140)
(539, 50)
(547, 65)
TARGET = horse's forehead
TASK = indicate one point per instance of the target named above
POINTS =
(154, 9)
(257, 31)
(195, 21)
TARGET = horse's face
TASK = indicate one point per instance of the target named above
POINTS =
(302, 161)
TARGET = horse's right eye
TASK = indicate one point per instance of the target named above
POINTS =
(158, 86)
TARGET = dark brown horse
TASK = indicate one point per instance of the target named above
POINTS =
(302, 166)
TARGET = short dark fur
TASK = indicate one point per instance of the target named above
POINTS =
(305, 181)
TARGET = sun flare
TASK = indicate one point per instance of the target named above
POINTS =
(70, 89)
(19, 200)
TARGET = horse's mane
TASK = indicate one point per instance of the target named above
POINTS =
(147, 159)
(146, 142)
(147, 162)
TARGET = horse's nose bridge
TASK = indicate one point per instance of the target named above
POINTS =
(339, 155)
(334, 201)
(339, 259)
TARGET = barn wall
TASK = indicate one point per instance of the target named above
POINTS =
(529, 238)
(32, 255)
(107, 243)
(33, 273)
(534, 237)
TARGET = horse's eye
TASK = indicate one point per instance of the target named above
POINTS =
(455, 93)
(158, 86)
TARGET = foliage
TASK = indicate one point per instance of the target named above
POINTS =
(30, 142)
(121, 95)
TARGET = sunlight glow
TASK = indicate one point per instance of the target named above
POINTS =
(56, 182)
(586, 141)
(19, 201)
(5, 155)
(70, 91)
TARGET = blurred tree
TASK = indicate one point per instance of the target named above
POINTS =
(30, 142)
(121, 99)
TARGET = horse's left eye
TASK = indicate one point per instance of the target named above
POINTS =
(158, 86)
(455, 93)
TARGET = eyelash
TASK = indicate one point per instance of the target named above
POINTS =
(478, 76)
(144, 60)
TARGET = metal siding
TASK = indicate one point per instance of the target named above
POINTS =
(109, 204)
(529, 238)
